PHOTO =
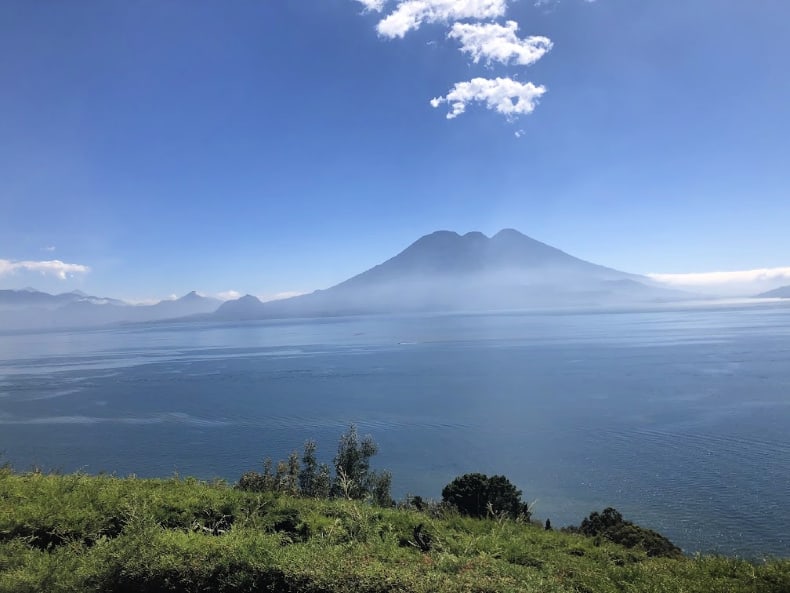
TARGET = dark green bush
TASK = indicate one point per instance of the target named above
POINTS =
(610, 524)
(477, 495)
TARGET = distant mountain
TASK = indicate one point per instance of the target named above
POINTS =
(189, 304)
(783, 292)
(445, 271)
(32, 309)
(29, 297)
(246, 307)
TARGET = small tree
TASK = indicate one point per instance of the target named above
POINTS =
(352, 464)
(476, 495)
(380, 485)
(309, 473)
(323, 482)
(269, 480)
(292, 479)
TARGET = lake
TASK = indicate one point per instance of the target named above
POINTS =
(678, 418)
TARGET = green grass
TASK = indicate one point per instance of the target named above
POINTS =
(79, 533)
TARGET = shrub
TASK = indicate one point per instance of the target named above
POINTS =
(610, 524)
(477, 495)
(353, 478)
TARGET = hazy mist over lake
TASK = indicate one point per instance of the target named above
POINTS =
(677, 418)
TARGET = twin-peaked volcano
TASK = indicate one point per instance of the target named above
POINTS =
(445, 271)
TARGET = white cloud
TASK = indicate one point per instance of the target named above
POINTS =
(53, 267)
(49, 248)
(409, 15)
(704, 279)
(278, 296)
(503, 95)
(734, 283)
(228, 295)
(494, 42)
(376, 5)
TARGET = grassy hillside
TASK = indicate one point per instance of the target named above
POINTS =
(84, 533)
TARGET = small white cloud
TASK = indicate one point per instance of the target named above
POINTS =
(497, 43)
(373, 5)
(53, 267)
(49, 248)
(278, 296)
(409, 15)
(519, 133)
(503, 95)
(228, 295)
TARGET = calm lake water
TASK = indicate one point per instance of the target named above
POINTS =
(679, 419)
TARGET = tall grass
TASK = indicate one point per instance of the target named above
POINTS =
(70, 533)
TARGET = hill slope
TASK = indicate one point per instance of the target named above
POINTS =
(107, 534)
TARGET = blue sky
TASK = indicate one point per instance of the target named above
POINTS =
(265, 147)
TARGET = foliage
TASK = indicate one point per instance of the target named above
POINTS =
(610, 524)
(104, 534)
(477, 495)
(353, 477)
(308, 475)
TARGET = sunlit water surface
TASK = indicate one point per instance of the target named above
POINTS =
(679, 419)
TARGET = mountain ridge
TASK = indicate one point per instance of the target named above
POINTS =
(34, 309)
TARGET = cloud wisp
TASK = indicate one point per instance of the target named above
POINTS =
(492, 42)
(373, 5)
(703, 279)
(228, 295)
(409, 15)
(503, 95)
(738, 283)
(278, 296)
(54, 267)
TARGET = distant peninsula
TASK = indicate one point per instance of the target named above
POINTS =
(783, 292)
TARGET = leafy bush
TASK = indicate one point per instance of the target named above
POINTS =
(610, 524)
(477, 495)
